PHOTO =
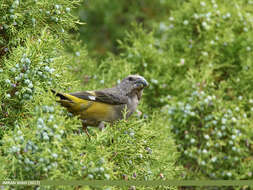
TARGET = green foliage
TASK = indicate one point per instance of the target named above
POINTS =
(200, 55)
(214, 137)
(209, 47)
(42, 147)
(140, 158)
(22, 18)
(31, 54)
(213, 39)
(107, 20)
(38, 138)
(196, 113)
(27, 70)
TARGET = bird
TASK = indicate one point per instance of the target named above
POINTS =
(106, 105)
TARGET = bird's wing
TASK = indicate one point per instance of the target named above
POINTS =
(102, 96)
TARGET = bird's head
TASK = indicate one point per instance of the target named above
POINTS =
(133, 84)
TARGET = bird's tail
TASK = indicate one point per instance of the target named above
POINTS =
(61, 95)
(64, 100)
(72, 103)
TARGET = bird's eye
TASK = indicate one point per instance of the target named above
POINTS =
(130, 78)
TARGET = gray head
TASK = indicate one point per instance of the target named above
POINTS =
(133, 84)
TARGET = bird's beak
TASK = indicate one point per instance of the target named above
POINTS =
(141, 83)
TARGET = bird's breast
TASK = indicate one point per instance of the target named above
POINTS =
(132, 104)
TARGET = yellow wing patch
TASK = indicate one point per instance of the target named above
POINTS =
(76, 105)
(89, 109)
(99, 111)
